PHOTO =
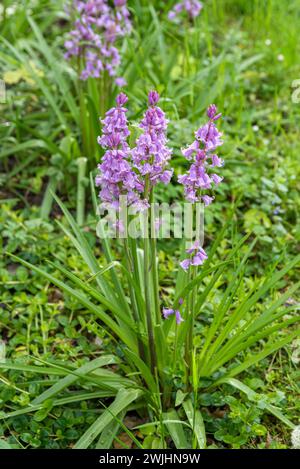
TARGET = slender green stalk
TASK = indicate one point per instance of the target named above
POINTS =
(189, 237)
(147, 283)
(135, 261)
(195, 385)
(133, 247)
(154, 260)
(104, 86)
(44, 335)
(81, 184)
(48, 197)
(191, 302)
(188, 338)
(83, 111)
(148, 305)
(135, 310)
(167, 390)
(160, 339)
(189, 342)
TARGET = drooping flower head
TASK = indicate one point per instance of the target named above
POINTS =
(197, 256)
(97, 27)
(169, 312)
(190, 7)
(151, 153)
(116, 176)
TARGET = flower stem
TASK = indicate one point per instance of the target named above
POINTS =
(154, 260)
(147, 284)
(191, 301)
(133, 302)
(83, 110)
(81, 183)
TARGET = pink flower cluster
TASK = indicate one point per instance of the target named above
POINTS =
(151, 154)
(202, 154)
(96, 29)
(116, 176)
(191, 7)
(122, 170)
(199, 178)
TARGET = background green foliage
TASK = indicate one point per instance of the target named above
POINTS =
(240, 55)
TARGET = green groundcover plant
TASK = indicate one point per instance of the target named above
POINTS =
(162, 363)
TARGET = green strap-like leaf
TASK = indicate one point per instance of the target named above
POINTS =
(175, 427)
(71, 379)
(46, 51)
(196, 422)
(84, 248)
(74, 397)
(257, 323)
(246, 306)
(123, 399)
(85, 286)
(255, 358)
(108, 434)
(97, 310)
(143, 369)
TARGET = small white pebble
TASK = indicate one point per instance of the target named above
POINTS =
(98, 341)
(268, 42)
(296, 437)
(280, 57)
